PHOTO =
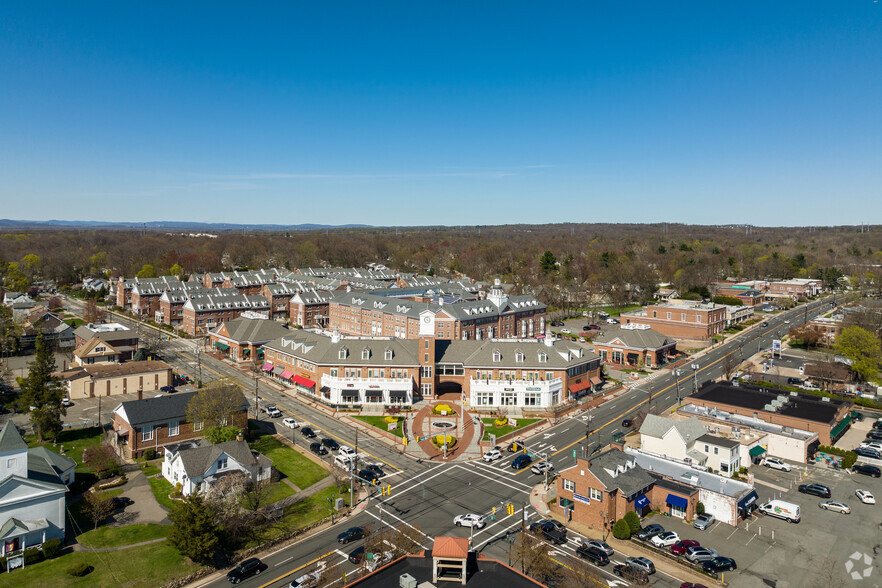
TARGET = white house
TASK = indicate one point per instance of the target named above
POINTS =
(32, 492)
(689, 442)
(197, 467)
(11, 298)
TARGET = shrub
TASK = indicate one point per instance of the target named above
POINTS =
(32, 555)
(848, 457)
(443, 408)
(621, 530)
(392, 419)
(699, 508)
(632, 520)
(51, 547)
(150, 454)
(501, 421)
(80, 570)
(3, 564)
(439, 440)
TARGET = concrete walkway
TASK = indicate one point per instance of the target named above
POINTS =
(467, 433)
(78, 547)
(145, 509)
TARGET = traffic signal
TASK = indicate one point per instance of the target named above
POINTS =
(514, 446)
(387, 491)
(510, 509)
(404, 441)
(494, 510)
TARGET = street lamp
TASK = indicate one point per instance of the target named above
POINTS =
(695, 375)
(677, 376)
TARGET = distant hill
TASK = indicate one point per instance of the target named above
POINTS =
(165, 226)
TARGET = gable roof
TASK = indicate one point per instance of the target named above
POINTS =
(172, 406)
(10, 439)
(658, 426)
(452, 547)
(197, 460)
(56, 462)
(634, 338)
(617, 470)
(251, 330)
(87, 348)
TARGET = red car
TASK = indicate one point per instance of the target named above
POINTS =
(680, 547)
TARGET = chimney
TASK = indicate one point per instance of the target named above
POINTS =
(335, 336)
(240, 437)
(549, 338)
(620, 445)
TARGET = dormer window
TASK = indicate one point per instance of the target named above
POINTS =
(519, 357)
(543, 358)
(388, 355)
(365, 353)
(343, 353)
(497, 357)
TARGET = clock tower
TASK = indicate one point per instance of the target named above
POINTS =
(426, 353)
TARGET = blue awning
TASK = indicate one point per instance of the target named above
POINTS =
(748, 500)
(641, 502)
(677, 501)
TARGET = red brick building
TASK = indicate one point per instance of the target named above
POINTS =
(203, 313)
(681, 319)
(634, 345)
(242, 339)
(310, 308)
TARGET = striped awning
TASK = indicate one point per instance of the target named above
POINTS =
(267, 367)
(286, 375)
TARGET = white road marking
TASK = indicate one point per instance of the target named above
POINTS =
(391, 527)
(527, 486)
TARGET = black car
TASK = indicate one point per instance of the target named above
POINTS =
(593, 555)
(246, 569)
(350, 534)
(626, 423)
(377, 470)
(357, 555)
(794, 381)
(121, 501)
(521, 461)
(719, 564)
(308, 433)
(167, 389)
(877, 425)
(552, 532)
(587, 328)
(867, 452)
(516, 445)
(765, 323)
(815, 489)
(867, 470)
(331, 444)
(369, 475)
(318, 449)
(649, 531)
(875, 435)
(858, 416)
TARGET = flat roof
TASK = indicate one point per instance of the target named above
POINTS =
(482, 573)
(687, 475)
(737, 420)
(801, 406)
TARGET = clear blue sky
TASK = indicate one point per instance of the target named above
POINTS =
(442, 112)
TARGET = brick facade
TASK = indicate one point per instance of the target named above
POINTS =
(681, 321)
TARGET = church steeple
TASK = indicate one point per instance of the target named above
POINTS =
(13, 452)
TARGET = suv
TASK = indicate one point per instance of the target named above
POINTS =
(350, 534)
(650, 531)
(318, 449)
(776, 464)
(593, 555)
(273, 411)
(246, 569)
(331, 444)
(641, 563)
(521, 461)
(699, 554)
(550, 531)
(719, 564)
(867, 470)
(867, 452)
(815, 489)
(794, 381)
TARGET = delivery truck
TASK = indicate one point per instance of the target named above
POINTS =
(783, 510)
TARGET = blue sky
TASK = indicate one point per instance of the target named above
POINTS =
(454, 113)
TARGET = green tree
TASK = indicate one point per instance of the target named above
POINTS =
(548, 262)
(632, 520)
(176, 270)
(699, 508)
(193, 531)
(43, 392)
(30, 263)
(621, 530)
(147, 271)
(221, 434)
(862, 348)
(215, 405)
(15, 280)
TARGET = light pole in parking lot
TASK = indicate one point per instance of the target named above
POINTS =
(695, 375)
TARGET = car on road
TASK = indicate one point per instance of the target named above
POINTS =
(835, 505)
(521, 461)
(650, 531)
(627, 423)
(370, 476)
(516, 445)
(865, 496)
(121, 501)
(765, 324)
(377, 470)
(815, 489)
(167, 389)
(794, 381)
(551, 530)
(665, 539)
(330, 444)
(641, 563)
(290, 423)
(593, 555)
(246, 569)
(777, 464)
(345, 450)
(273, 412)
(492, 455)
(318, 449)
(66, 402)
(356, 555)
(692, 585)
(470, 520)
(350, 534)
(867, 470)
(631, 574)
(598, 544)
(719, 564)
(866, 452)
(542, 467)
(680, 547)
(308, 432)
(786, 321)
(703, 521)
(700, 554)
(310, 580)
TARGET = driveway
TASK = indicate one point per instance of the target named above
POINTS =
(145, 508)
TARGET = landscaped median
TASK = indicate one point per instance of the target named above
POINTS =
(382, 423)
(498, 427)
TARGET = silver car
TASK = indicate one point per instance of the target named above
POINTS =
(703, 521)
(835, 505)
(700, 554)
(641, 563)
(601, 545)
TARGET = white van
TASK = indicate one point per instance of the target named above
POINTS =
(783, 510)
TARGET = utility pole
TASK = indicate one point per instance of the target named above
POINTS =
(649, 400)
(257, 403)
(695, 375)
(677, 376)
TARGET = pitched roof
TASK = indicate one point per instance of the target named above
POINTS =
(253, 330)
(198, 459)
(454, 547)
(87, 348)
(10, 439)
(634, 338)
(616, 469)
(658, 426)
(57, 462)
(125, 369)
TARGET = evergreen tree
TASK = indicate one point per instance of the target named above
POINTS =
(548, 262)
(621, 530)
(43, 392)
(193, 531)
(632, 520)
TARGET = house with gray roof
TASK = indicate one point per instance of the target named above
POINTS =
(242, 339)
(689, 442)
(198, 467)
(634, 345)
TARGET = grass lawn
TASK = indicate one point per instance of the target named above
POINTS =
(161, 489)
(74, 442)
(380, 423)
(302, 514)
(127, 535)
(140, 567)
(301, 470)
(151, 468)
(278, 491)
(489, 427)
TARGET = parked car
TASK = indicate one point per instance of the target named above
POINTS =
(344, 450)
(318, 449)
(835, 505)
(121, 501)
(700, 554)
(857, 416)
(66, 402)
(631, 574)
(680, 547)
(665, 539)
(867, 452)
(641, 563)
(877, 425)
(167, 389)
(586, 328)
(865, 496)
(650, 531)
(692, 585)
(470, 520)
(542, 467)
(874, 435)
(794, 381)
(308, 432)
(815, 489)
(703, 521)
(492, 455)
(776, 464)
(612, 321)
(867, 470)
(330, 444)
(874, 445)
(246, 569)
(565, 331)
(719, 564)
(521, 461)
(593, 555)
(627, 423)
(598, 544)
(290, 423)
(350, 534)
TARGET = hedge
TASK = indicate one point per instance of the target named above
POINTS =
(51, 547)
(632, 520)
(79, 570)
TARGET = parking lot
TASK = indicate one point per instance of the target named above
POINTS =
(774, 552)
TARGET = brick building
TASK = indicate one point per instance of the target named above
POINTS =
(634, 345)
(203, 313)
(310, 308)
(747, 295)
(242, 339)
(797, 287)
(122, 339)
(682, 319)
(278, 296)
(828, 328)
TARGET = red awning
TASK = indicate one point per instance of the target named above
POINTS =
(303, 381)
(267, 367)
(286, 375)
(580, 386)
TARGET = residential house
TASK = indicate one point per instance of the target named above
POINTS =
(56, 333)
(197, 467)
(634, 345)
(242, 339)
(93, 284)
(96, 350)
(11, 298)
(665, 294)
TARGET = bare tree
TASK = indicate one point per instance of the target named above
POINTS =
(730, 365)
(97, 506)
(215, 405)
(578, 574)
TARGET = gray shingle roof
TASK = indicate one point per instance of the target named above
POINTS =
(10, 439)
(656, 426)
(718, 441)
(56, 462)
(173, 406)
(616, 469)
(197, 460)
(321, 350)
(253, 330)
(634, 338)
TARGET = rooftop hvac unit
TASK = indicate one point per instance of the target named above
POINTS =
(769, 408)
(735, 428)
(407, 581)
(781, 397)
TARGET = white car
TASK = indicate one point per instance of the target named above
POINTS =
(612, 321)
(290, 423)
(344, 450)
(865, 496)
(874, 445)
(665, 539)
(776, 464)
(786, 321)
(835, 505)
(492, 455)
(66, 402)
(470, 520)
(567, 331)
(542, 467)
